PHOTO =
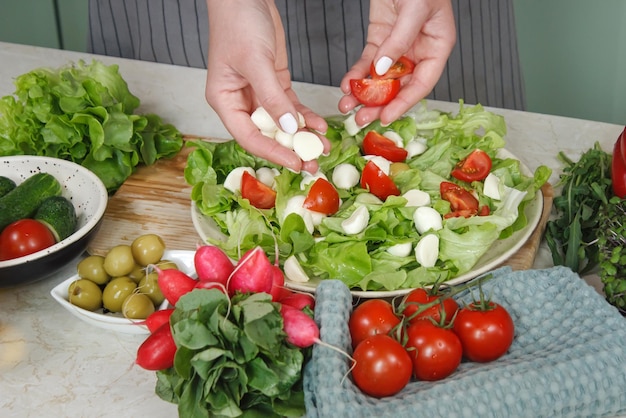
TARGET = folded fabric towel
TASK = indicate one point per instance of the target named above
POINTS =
(567, 359)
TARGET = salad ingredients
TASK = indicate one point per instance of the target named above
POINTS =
(378, 144)
(416, 298)
(612, 252)
(400, 68)
(322, 198)
(374, 92)
(59, 215)
(212, 264)
(6, 185)
(435, 350)
(24, 200)
(174, 284)
(485, 329)
(300, 328)
(253, 273)
(24, 237)
(323, 247)
(474, 167)
(372, 317)
(586, 189)
(260, 195)
(382, 367)
(83, 112)
(158, 350)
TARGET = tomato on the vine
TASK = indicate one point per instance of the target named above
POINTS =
(399, 69)
(374, 92)
(486, 330)
(372, 317)
(462, 202)
(24, 237)
(474, 167)
(382, 366)
(375, 143)
(322, 197)
(435, 350)
(260, 195)
(378, 183)
(447, 306)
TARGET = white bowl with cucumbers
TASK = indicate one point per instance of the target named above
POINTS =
(64, 179)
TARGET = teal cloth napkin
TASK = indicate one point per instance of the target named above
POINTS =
(568, 358)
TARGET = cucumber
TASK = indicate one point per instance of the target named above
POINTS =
(6, 185)
(23, 201)
(58, 214)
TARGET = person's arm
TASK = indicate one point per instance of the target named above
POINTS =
(424, 31)
(247, 68)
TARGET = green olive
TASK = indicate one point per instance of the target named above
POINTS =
(148, 249)
(116, 291)
(92, 268)
(119, 261)
(167, 264)
(137, 306)
(138, 273)
(149, 286)
(85, 294)
(397, 168)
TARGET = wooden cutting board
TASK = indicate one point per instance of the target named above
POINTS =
(156, 199)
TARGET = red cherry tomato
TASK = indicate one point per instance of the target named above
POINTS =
(378, 144)
(400, 68)
(475, 167)
(372, 317)
(382, 366)
(436, 352)
(446, 307)
(377, 182)
(486, 331)
(24, 237)
(374, 92)
(462, 202)
(322, 197)
(260, 195)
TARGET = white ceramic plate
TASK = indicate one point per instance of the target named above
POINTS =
(499, 252)
(116, 322)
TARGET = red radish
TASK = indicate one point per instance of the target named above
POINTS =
(174, 283)
(211, 285)
(279, 290)
(158, 350)
(300, 328)
(299, 301)
(212, 264)
(158, 318)
(253, 273)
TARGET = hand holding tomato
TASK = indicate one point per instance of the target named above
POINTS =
(429, 31)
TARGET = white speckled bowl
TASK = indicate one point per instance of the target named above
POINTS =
(89, 196)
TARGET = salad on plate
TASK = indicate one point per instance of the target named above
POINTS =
(392, 207)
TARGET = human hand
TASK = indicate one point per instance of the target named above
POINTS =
(247, 68)
(424, 31)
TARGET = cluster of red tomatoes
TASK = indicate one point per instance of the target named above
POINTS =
(426, 337)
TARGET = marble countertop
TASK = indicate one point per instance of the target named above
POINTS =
(52, 364)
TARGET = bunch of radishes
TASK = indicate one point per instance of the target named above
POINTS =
(254, 272)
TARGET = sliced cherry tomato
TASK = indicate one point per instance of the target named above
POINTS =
(486, 330)
(462, 202)
(322, 197)
(420, 296)
(371, 92)
(260, 195)
(382, 366)
(24, 237)
(378, 144)
(372, 317)
(484, 210)
(436, 351)
(377, 182)
(475, 167)
(400, 68)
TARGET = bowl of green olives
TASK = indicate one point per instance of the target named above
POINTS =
(119, 290)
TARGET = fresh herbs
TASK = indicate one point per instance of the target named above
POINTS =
(83, 113)
(232, 358)
(586, 189)
(612, 252)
